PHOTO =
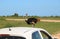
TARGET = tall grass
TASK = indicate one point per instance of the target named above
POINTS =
(52, 27)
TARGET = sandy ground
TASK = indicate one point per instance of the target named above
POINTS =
(40, 20)
(57, 35)
(50, 20)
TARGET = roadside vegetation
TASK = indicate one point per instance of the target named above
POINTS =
(16, 16)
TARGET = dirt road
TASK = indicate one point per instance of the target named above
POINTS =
(43, 20)
(50, 20)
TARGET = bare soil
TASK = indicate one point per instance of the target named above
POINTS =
(43, 20)
(57, 35)
(50, 20)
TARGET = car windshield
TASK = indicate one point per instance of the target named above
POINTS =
(11, 37)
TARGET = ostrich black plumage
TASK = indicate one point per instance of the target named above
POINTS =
(31, 21)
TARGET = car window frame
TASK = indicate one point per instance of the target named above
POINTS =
(45, 34)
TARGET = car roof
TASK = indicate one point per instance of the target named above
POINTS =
(18, 30)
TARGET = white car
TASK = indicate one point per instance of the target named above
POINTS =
(24, 33)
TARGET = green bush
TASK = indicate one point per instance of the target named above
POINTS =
(2, 18)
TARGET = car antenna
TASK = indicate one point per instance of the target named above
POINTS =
(9, 29)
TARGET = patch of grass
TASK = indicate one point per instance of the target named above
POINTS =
(2, 18)
(5, 23)
(49, 26)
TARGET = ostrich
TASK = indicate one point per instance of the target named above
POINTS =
(32, 21)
